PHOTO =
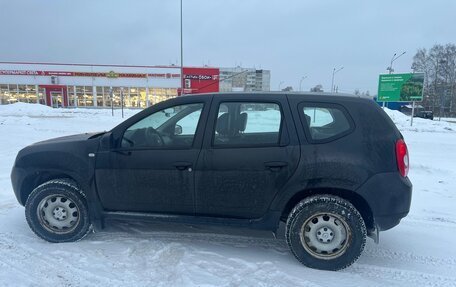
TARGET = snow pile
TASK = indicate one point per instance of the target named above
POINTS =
(24, 109)
(38, 110)
(40, 122)
(402, 121)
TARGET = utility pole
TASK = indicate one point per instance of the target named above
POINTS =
(111, 94)
(122, 100)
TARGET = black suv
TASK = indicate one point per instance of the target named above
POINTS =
(332, 168)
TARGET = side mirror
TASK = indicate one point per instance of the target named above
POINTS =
(177, 130)
(106, 141)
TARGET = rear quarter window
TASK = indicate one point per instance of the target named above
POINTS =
(325, 122)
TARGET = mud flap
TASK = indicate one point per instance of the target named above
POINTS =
(374, 234)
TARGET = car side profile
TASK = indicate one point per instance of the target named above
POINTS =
(332, 168)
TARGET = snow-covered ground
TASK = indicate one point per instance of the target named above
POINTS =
(419, 252)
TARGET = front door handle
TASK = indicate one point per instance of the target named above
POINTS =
(275, 165)
(182, 165)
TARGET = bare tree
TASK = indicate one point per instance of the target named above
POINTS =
(439, 66)
(317, 88)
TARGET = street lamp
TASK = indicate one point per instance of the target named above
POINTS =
(182, 51)
(390, 68)
(394, 58)
(332, 81)
(280, 84)
(300, 83)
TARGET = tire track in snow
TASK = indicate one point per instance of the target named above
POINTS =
(38, 268)
(433, 221)
(129, 232)
(402, 277)
(409, 257)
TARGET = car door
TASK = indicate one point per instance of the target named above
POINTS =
(250, 150)
(149, 167)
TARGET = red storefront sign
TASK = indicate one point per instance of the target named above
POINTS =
(201, 80)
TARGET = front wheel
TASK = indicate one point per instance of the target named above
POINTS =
(326, 232)
(57, 211)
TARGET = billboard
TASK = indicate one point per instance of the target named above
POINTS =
(400, 87)
(201, 80)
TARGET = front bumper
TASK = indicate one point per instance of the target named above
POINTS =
(17, 179)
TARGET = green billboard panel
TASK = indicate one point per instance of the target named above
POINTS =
(401, 87)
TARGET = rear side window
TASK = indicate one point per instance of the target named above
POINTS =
(325, 122)
(247, 124)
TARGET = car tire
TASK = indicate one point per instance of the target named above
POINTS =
(325, 232)
(57, 211)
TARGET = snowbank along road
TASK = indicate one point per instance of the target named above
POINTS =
(418, 252)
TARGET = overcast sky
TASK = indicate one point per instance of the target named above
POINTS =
(291, 38)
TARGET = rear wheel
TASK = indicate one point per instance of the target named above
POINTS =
(57, 211)
(326, 232)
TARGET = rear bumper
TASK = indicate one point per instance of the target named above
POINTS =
(389, 196)
(389, 221)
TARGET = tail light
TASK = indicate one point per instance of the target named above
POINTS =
(402, 157)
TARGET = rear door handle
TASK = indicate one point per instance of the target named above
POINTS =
(275, 165)
(182, 165)
(122, 152)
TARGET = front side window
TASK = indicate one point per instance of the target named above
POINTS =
(325, 123)
(247, 124)
(172, 127)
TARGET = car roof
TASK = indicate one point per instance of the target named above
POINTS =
(313, 96)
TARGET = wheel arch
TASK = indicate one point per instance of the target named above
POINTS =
(354, 198)
(36, 179)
